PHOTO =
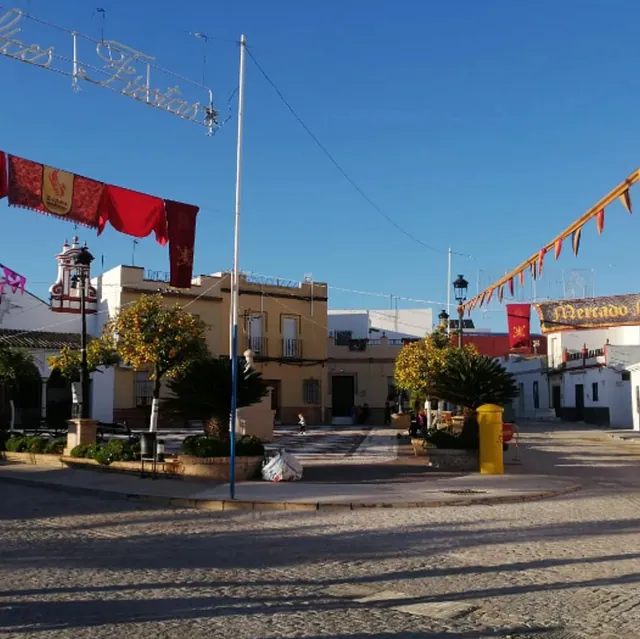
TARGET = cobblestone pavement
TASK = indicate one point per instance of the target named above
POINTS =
(561, 568)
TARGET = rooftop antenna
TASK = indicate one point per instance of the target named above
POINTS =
(133, 253)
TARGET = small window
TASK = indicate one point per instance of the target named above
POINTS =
(626, 376)
(594, 392)
(536, 395)
(342, 338)
(311, 391)
(143, 389)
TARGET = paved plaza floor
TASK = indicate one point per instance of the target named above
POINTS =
(567, 567)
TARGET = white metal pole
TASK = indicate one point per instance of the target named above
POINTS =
(235, 279)
(449, 285)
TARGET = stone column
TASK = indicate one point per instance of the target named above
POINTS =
(80, 431)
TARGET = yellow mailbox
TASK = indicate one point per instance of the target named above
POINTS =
(491, 452)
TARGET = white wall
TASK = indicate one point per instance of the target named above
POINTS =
(355, 321)
(394, 323)
(574, 341)
(635, 396)
(103, 389)
(26, 312)
(613, 393)
(528, 372)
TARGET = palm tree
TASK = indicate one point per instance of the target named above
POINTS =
(471, 380)
(16, 369)
(203, 392)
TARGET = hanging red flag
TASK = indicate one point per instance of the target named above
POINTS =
(4, 184)
(54, 192)
(600, 221)
(558, 247)
(133, 213)
(511, 286)
(575, 240)
(519, 321)
(625, 198)
(541, 255)
(181, 220)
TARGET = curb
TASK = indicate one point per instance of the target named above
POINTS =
(227, 505)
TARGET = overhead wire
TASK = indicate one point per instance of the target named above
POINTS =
(335, 163)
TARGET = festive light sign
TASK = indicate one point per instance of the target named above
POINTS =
(584, 314)
(117, 67)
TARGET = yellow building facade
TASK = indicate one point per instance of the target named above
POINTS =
(360, 373)
(283, 323)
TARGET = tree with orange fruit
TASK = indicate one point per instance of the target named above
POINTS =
(164, 340)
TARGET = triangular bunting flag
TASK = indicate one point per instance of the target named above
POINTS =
(521, 275)
(600, 221)
(541, 255)
(625, 198)
(500, 294)
(534, 272)
(558, 248)
(511, 287)
(575, 240)
(490, 296)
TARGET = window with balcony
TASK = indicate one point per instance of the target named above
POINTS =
(256, 327)
(143, 389)
(291, 343)
(311, 391)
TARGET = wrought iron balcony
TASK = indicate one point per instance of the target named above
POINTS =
(258, 345)
(292, 348)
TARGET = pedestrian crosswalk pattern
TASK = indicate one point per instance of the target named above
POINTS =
(320, 443)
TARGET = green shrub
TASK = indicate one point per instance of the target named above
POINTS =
(249, 446)
(113, 451)
(36, 444)
(80, 452)
(17, 444)
(56, 446)
(445, 439)
(204, 446)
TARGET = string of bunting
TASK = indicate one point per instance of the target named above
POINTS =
(573, 232)
(91, 203)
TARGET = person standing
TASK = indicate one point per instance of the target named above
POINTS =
(387, 414)
(303, 424)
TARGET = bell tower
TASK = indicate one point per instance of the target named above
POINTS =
(65, 293)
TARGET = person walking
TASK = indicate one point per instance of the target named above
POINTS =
(303, 424)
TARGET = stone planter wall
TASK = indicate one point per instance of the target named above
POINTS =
(39, 459)
(218, 467)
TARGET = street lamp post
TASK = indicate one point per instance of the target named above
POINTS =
(82, 262)
(443, 316)
(460, 287)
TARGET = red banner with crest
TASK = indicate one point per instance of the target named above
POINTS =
(519, 321)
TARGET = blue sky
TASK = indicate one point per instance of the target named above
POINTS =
(488, 126)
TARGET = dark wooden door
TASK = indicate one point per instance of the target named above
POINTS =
(342, 392)
(579, 402)
(557, 399)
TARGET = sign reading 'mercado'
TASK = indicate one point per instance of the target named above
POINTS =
(114, 66)
(584, 314)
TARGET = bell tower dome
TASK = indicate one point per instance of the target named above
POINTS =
(65, 293)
